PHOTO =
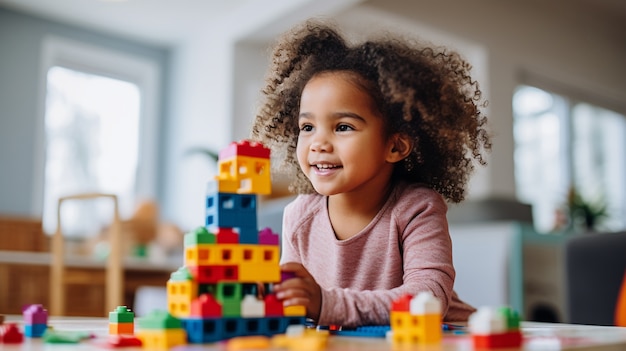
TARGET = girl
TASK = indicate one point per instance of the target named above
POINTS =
(376, 137)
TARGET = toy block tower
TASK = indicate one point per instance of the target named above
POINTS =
(493, 328)
(416, 320)
(224, 288)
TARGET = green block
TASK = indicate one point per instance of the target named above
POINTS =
(121, 314)
(52, 336)
(199, 236)
(229, 292)
(231, 309)
(512, 317)
(181, 275)
(159, 319)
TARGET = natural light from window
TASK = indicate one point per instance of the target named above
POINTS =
(563, 144)
(92, 141)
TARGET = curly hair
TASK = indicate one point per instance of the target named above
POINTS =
(424, 92)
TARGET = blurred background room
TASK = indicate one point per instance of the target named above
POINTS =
(135, 97)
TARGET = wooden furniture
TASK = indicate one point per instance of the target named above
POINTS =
(25, 276)
(19, 233)
(114, 281)
(538, 336)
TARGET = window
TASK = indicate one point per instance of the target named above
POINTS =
(92, 135)
(563, 144)
(99, 131)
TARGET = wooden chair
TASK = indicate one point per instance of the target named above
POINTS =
(114, 270)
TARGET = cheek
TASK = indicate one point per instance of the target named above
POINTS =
(301, 152)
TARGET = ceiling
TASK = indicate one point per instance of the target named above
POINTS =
(168, 22)
(160, 22)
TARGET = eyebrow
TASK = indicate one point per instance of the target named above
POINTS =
(338, 115)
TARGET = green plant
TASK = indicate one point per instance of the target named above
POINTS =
(588, 213)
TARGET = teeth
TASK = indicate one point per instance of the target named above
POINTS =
(325, 166)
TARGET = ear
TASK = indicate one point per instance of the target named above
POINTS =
(401, 147)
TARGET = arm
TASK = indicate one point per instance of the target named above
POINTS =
(412, 253)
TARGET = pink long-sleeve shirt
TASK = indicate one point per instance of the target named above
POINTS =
(405, 249)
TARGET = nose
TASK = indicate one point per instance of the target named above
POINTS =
(321, 143)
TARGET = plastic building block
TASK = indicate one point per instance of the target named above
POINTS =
(35, 314)
(121, 314)
(368, 331)
(268, 237)
(65, 337)
(219, 293)
(226, 236)
(241, 343)
(402, 304)
(121, 328)
(115, 341)
(34, 330)
(252, 307)
(11, 334)
(199, 236)
(244, 148)
(181, 290)
(214, 273)
(492, 328)
(274, 307)
(294, 311)
(207, 330)
(161, 330)
(162, 339)
(420, 324)
(206, 306)
(158, 319)
(300, 339)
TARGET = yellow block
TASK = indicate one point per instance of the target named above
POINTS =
(162, 339)
(248, 343)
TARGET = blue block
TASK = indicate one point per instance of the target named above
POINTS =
(200, 331)
(34, 330)
(230, 210)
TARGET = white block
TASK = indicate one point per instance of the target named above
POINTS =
(425, 303)
(487, 321)
(252, 307)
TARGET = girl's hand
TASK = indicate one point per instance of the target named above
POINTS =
(301, 290)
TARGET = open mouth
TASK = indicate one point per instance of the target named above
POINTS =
(326, 166)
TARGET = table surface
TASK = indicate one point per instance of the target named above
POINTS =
(537, 336)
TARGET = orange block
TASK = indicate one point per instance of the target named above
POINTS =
(121, 328)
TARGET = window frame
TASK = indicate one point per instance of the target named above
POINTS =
(99, 60)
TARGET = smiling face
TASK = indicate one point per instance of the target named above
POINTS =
(342, 144)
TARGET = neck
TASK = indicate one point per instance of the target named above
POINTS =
(351, 212)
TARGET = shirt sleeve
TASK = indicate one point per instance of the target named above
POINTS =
(426, 262)
(288, 252)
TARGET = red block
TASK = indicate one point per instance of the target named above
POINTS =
(402, 304)
(214, 274)
(273, 306)
(496, 341)
(226, 236)
(11, 334)
(245, 148)
(115, 341)
(205, 306)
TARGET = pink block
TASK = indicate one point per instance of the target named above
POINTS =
(35, 314)
(268, 237)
